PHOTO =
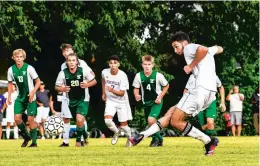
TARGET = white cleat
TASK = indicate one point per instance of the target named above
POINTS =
(115, 138)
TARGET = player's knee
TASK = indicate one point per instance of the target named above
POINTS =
(109, 122)
(210, 124)
(66, 120)
(151, 121)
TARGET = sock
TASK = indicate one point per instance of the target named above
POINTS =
(127, 130)
(210, 132)
(66, 133)
(195, 133)
(111, 125)
(33, 133)
(7, 133)
(24, 132)
(152, 129)
(16, 132)
(158, 136)
(79, 131)
(85, 135)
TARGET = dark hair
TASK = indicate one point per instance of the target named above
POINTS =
(114, 57)
(65, 46)
(180, 36)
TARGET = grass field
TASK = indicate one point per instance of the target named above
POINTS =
(178, 151)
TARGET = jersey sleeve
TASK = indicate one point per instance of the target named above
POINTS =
(162, 80)
(124, 84)
(60, 81)
(219, 83)
(32, 72)
(213, 50)
(103, 73)
(137, 81)
(88, 74)
(190, 50)
(10, 77)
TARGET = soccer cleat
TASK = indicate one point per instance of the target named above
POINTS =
(128, 143)
(33, 145)
(115, 138)
(160, 143)
(154, 143)
(137, 139)
(211, 146)
(64, 145)
(26, 141)
(84, 143)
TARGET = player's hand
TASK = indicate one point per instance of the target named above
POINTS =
(9, 101)
(231, 91)
(31, 96)
(137, 97)
(158, 100)
(223, 107)
(187, 69)
(66, 89)
(104, 97)
(109, 89)
(84, 85)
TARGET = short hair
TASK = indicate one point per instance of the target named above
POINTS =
(114, 57)
(180, 36)
(148, 58)
(17, 51)
(73, 54)
(65, 46)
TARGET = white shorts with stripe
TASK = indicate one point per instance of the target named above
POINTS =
(196, 100)
(123, 111)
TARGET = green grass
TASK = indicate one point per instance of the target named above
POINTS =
(179, 151)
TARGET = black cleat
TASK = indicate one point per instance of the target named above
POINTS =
(33, 145)
(211, 146)
(25, 142)
(154, 143)
(137, 139)
(64, 145)
(160, 143)
(84, 143)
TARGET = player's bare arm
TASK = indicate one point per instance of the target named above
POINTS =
(222, 98)
(160, 96)
(115, 92)
(88, 84)
(62, 88)
(104, 97)
(136, 94)
(36, 87)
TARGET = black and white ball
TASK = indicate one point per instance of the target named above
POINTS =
(53, 125)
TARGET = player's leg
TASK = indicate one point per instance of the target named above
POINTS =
(211, 114)
(83, 110)
(66, 115)
(123, 118)
(39, 120)
(32, 112)
(202, 119)
(110, 111)
(15, 131)
(19, 108)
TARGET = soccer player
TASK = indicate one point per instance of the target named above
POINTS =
(153, 86)
(200, 62)
(74, 80)
(207, 117)
(10, 113)
(65, 111)
(24, 76)
(114, 92)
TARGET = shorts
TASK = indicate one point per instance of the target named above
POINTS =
(42, 114)
(20, 107)
(1, 117)
(65, 111)
(196, 100)
(236, 117)
(79, 107)
(10, 114)
(121, 110)
(210, 112)
(153, 110)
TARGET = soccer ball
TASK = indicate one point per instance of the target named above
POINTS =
(53, 125)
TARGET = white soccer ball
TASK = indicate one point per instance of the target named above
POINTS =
(53, 125)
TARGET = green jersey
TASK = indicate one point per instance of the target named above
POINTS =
(151, 86)
(24, 79)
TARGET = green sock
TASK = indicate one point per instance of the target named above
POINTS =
(80, 131)
(210, 132)
(23, 129)
(158, 135)
(33, 133)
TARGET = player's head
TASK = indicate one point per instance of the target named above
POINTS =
(66, 49)
(19, 56)
(42, 85)
(147, 63)
(72, 60)
(179, 41)
(114, 62)
(236, 89)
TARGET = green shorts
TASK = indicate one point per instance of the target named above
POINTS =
(153, 110)
(78, 107)
(210, 112)
(20, 107)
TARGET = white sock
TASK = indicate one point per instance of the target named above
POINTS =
(111, 125)
(16, 132)
(195, 133)
(86, 130)
(127, 130)
(7, 133)
(66, 133)
(151, 130)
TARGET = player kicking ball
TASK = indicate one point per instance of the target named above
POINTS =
(200, 61)
(24, 76)
(74, 80)
(114, 92)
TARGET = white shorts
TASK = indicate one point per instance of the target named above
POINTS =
(121, 109)
(65, 111)
(10, 114)
(196, 100)
(42, 113)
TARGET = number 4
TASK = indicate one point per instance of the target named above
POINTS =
(148, 87)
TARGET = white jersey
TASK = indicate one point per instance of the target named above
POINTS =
(204, 72)
(84, 65)
(117, 82)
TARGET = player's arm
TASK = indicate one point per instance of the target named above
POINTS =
(51, 105)
(222, 98)
(219, 49)
(137, 94)
(89, 75)
(115, 92)
(60, 83)
(137, 86)
(4, 107)
(185, 90)
(201, 52)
